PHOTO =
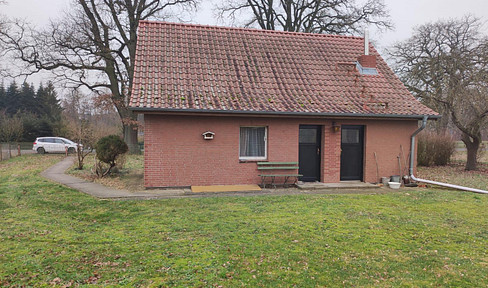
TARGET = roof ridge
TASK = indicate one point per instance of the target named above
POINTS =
(254, 30)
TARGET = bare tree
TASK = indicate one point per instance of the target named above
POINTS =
(93, 46)
(445, 64)
(312, 16)
(2, 29)
(88, 119)
(2, 17)
(76, 116)
(11, 128)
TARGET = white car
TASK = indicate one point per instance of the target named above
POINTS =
(54, 145)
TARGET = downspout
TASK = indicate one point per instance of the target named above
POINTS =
(412, 149)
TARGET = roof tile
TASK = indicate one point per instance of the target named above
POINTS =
(186, 67)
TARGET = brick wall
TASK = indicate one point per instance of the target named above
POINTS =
(177, 155)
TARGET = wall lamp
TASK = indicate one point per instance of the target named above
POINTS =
(336, 127)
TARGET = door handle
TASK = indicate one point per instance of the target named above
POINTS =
(318, 151)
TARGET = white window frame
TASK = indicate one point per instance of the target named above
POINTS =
(252, 158)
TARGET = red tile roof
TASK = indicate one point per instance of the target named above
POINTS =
(181, 67)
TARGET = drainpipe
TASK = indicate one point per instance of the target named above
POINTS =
(412, 149)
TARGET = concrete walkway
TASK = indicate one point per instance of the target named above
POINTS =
(57, 173)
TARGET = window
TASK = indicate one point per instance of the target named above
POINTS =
(252, 143)
(307, 136)
(350, 136)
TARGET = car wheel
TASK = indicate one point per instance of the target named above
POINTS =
(41, 150)
(71, 150)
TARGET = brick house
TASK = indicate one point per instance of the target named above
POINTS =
(320, 100)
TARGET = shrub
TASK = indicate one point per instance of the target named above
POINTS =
(434, 149)
(109, 149)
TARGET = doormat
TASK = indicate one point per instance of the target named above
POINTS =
(224, 188)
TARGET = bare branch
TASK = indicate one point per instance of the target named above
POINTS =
(446, 65)
(314, 16)
(92, 46)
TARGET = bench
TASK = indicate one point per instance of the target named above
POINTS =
(277, 169)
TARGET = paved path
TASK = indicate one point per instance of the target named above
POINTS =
(57, 173)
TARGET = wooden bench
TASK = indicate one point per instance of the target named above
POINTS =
(275, 168)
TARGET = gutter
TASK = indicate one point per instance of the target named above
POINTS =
(412, 149)
(269, 113)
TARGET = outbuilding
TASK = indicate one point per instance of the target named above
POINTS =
(218, 100)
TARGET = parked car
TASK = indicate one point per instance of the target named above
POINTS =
(54, 145)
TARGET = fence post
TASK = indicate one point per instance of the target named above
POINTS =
(18, 149)
(1, 152)
(66, 151)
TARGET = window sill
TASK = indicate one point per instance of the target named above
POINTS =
(252, 160)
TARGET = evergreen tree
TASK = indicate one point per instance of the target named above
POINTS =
(26, 99)
(2, 97)
(48, 102)
(12, 103)
(40, 111)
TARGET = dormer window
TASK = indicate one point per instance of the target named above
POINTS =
(366, 70)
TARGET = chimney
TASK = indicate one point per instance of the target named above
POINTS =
(366, 60)
(366, 42)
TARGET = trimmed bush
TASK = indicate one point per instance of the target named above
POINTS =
(109, 149)
(434, 149)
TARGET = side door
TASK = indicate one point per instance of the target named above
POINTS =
(309, 146)
(49, 145)
(59, 146)
(352, 152)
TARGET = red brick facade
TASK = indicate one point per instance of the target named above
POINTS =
(177, 155)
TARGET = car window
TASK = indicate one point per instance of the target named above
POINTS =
(49, 140)
(58, 141)
(41, 140)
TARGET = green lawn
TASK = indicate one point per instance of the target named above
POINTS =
(54, 236)
(455, 172)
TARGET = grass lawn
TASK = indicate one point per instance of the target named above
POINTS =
(454, 173)
(54, 236)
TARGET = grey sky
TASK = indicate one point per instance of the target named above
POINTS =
(405, 14)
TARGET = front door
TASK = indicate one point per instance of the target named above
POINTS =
(352, 138)
(309, 144)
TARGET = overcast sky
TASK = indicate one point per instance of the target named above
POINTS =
(405, 14)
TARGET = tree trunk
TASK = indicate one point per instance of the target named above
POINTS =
(472, 145)
(130, 137)
(80, 159)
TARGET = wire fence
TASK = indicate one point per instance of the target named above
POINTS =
(9, 150)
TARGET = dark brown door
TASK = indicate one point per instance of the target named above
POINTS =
(352, 140)
(309, 144)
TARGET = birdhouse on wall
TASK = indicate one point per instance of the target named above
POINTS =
(208, 135)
